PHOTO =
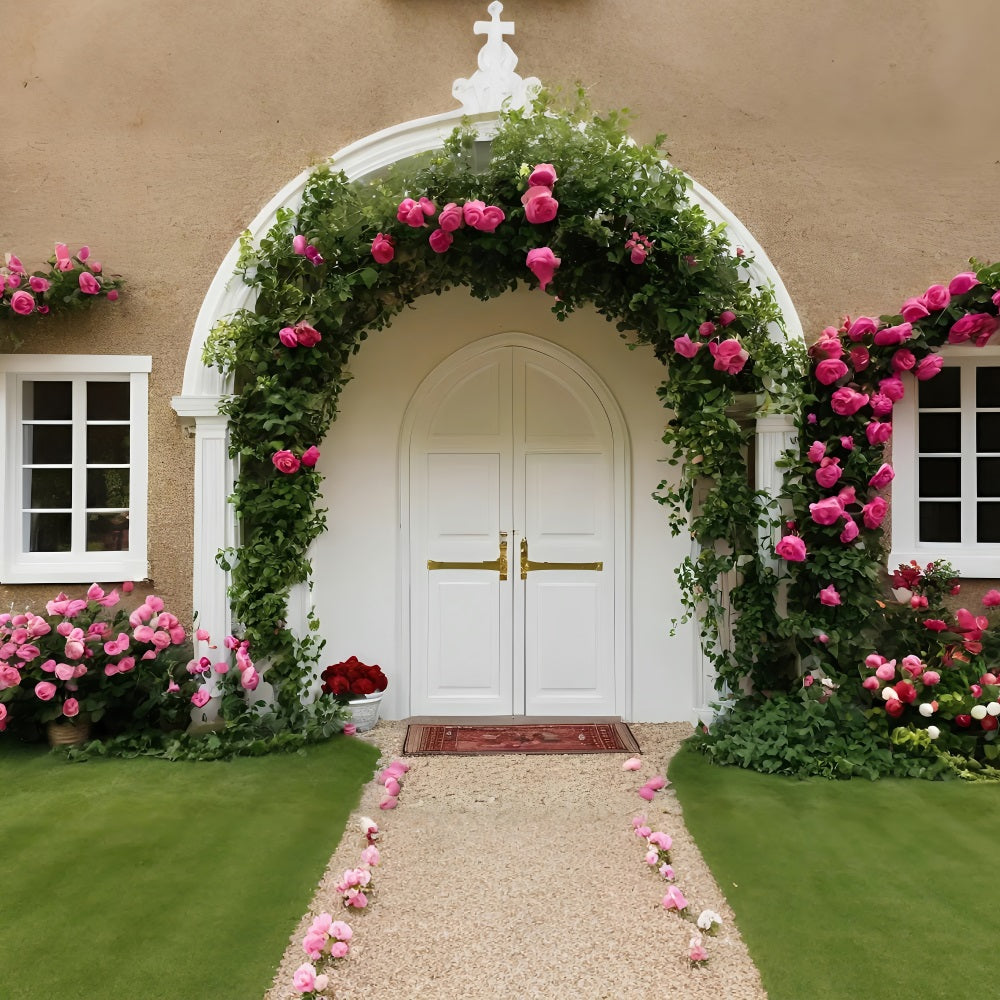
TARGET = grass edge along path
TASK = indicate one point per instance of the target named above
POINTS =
(846, 889)
(164, 881)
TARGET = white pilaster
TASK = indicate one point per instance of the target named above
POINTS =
(775, 435)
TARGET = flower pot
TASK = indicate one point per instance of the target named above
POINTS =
(364, 711)
(67, 733)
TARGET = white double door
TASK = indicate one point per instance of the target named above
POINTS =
(512, 455)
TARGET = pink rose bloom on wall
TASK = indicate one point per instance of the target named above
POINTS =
(285, 461)
(936, 297)
(22, 303)
(928, 367)
(846, 401)
(490, 218)
(730, 357)
(827, 511)
(310, 456)
(862, 327)
(892, 335)
(963, 283)
(977, 326)
(383, 248)
(542, 262)
(451, 217)
(539, 205)
(544, 175)
(88, 283)
(882, 477)
(829, 472)
(686, 347)
(791, 548)
(829, 596)
(440, 240)
(829, 370)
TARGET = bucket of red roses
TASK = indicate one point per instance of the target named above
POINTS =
(359, 686)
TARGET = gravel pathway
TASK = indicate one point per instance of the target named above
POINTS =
(519, 876)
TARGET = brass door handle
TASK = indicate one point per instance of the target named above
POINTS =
(529, 566)
(498, 565)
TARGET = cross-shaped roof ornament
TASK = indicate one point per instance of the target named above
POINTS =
(495, 83)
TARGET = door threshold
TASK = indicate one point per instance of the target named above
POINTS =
(508, 720)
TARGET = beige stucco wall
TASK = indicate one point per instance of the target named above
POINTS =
(857, 141)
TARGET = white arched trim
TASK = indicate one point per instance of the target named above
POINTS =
(204, 387)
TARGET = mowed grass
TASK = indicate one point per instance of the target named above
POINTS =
(848, 889)
(153, 880)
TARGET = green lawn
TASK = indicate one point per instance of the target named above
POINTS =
(852, 889)
(148, 880)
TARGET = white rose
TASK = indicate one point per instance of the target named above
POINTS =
(933, 732)
(888, 694)
(926, 709)
(978, 712)
(993, 708)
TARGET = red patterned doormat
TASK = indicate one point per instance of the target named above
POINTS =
(585, 737)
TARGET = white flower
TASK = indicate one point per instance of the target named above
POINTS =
(926, 709)
(827, 682)
(933, 732)
(978, 712)
(708, 918)
(993, 708)
(888, 694)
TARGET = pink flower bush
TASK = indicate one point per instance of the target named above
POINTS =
(639, 248)
(70, 281)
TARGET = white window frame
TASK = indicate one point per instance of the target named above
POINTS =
(17, 566)
(973, 560)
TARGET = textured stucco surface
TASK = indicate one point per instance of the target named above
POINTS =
(858, 142)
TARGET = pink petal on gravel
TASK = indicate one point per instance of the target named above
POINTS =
(392, 787)
(632, 764)
(389, 802)
(646, 793)
(657, 782)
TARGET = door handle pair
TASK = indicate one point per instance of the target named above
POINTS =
(496, 565)
(531, 566)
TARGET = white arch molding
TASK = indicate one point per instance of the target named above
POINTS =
(204, 388)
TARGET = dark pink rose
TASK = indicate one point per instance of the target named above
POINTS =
(472, 212)
(827, 347)
(878, 433)
(22, 303)
(935, 624)
(881, 404)
(539, 205)
(862, 327)
(912, 310)
(903, 360)
(894, 707)
(936, 297)
(827, 511)
(730, 357)
(873, 513)
(846, 401)
(40, 285)
(726, 317)
(816, 451)
(850, 531)
(451, 217)
(830, 370)
(991, 599)
(847, 442)
(892, 335)
(962, 283)
(882, 477)
(638, 255)
(440, 240)
(313, 256)
(287, 336)
(829, 472)
(829, 596)
(112, 297)
(310, 456)
(285, 461)
(490, 218)
(542, 262)
(45, 690)
(847, 496)
(414, 213)
(307, 335)
(893, 388)
(928, 367)
(299, 243)
(980, 326)
(686, 347)
(544, 175)
(791, 548)
(383, 249)
(88, 283)
(996, 299)
(71, 708)
(707, 329)
(860, 358)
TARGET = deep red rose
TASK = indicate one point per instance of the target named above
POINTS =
(963, 720)
(362, 686)
(989, 722)
(906, 691)
(894, 707)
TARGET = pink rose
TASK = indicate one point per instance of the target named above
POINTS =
(440, 240)
(935, 624)
(22, 303)
(980, 326)
(490, 218)
(88, 283)
(912, 310)
(791, 548)
(816, 451)
(310, 456)
(936, 297)
(287, 336)
(881, 404)
(71, 708)
(830, 370)
(285, 461)
(249, 679)
(829, 472)
(861, 328)
(829, 596)
(542, 262)
(383, 248)
(873, 513)
(413, 213)
(299, 243)
(893, 388)
(307, 335)
(451, 217)
(860, 358)
(928, 367)
(638, 255)
(472, 212)
(45, 690)
(882, 477)
(991, 599)
(201, 697)
(903, 360)
(846, 401)
(730, 357)
(850, 532)
(350, 728)
(304, 978)
(963, 283)
(544, 175)
(39, 285)
(930, 678)
(892, 335)
(706, 329)
(827, 511)
(870, 684)
(686, 347)
(727, 316)
(847, 442)
(674, 899)
(339, 949)
(539, 205)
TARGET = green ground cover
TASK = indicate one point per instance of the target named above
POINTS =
(845, 889)
(163, 881)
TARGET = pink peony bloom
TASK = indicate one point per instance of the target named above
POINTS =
(284, 461)
(544, 175)
(542, 262)
(963, 283)
(791, 548)
(829, 596)
(440, 240)
(310, 456)
(882, 477)
(383, 248)
(846, 401)
(539, 205)
(686, 347)
(730, 357)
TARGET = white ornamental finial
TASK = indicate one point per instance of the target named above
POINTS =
(495, 82)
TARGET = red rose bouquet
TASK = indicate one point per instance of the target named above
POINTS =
(353, 679)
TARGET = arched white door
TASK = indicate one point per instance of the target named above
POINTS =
(512, 499)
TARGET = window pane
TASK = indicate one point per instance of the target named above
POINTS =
(988, 522)
(48, 400)
(988, 386)
(107, 532)
(988, 432)
(47, 532)
(107, 487)
(107, 445)
(48, 488)
(940, 477)
(940, 392)
(940, 522)
(988, 477)
(941, 432)
(45, 444)
(107, 401)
